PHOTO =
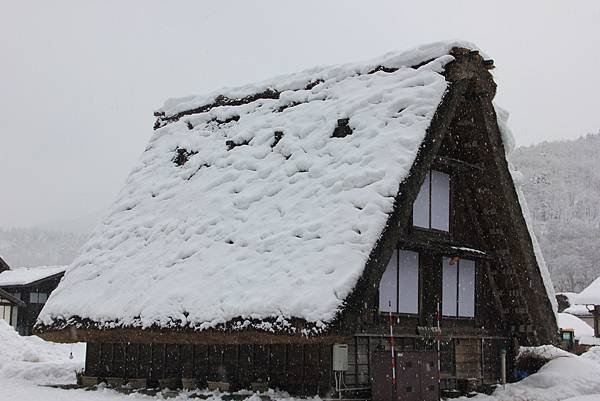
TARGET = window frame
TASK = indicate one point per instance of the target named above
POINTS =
(428, 179)
(396, 311)
(457, 290)
(35, 296)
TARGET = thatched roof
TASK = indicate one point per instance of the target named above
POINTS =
(258, 205)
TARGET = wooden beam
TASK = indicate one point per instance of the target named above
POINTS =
(458, 164)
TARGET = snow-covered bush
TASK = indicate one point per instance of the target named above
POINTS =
(531, 359)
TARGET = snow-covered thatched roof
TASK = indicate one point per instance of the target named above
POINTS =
(569, 321)
(262, 202)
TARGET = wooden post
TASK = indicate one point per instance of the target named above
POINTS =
(503, 365)
(393, 352)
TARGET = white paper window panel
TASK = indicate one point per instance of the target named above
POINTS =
(38, 297)
(15, 312)
(421, 206)
(6, 313)
(449, 278)
(466, 288)
(440, 201)
(388, 286)
(408, 285)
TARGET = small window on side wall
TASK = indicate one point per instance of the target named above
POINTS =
(399, 285)
(38, 297)
(458, 287)
(431, 209)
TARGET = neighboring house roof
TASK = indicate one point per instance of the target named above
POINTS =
(581, 328)
(3, 265)
(263, 201)
(28, 275)
(578, 310)
(11, 298)
(590, 294)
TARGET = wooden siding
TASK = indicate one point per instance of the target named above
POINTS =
(299, 368)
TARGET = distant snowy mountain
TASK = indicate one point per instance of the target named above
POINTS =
(53, 243)
(562, 189)
(38, 247)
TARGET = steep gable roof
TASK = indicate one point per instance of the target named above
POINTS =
(259, 202)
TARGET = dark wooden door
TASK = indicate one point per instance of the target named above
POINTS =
(416, 373)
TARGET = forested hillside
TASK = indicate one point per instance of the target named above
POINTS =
(562, 187)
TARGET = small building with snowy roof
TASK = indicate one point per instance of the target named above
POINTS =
(276, 233)
(31, 286)
(585, 305)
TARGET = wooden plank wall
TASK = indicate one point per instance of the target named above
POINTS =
(297, 368)
(468, 358)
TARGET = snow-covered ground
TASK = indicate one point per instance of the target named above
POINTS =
(28, 364)
(565, 377)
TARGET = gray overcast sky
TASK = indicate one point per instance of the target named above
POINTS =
(79, 79)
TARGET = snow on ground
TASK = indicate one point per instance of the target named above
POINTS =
(35, 360)
(566, 377)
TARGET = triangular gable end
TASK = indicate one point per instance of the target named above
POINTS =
(518, 288)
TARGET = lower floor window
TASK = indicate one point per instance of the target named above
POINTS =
(458, 291)
(399, 285)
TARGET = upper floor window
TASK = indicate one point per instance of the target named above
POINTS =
(458, 287)
(399, 286)
(38, 297)
(431, 209)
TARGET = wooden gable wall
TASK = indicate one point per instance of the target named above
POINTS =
(464, 139)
